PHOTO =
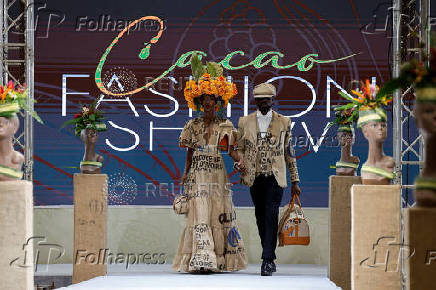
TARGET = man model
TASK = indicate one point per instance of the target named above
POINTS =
(264, 140)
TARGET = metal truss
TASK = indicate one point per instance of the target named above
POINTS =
(17, 64)
(410, 39)
(411, 29)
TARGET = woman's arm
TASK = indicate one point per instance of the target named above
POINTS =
(234, 154)
(239, 164)
(188, 163)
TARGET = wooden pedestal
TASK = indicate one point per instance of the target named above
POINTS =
(90, 218)
(421, 241)
(375, 237)
(339, 270)
(16, 231)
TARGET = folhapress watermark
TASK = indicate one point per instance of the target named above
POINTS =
(430, 257)
(387, 255)
(44, 253)
(105, 256)
(45, 19)
(106, 22)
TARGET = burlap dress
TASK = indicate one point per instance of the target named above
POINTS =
(211, 240)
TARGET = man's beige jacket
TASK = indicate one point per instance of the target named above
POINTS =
(280, 142)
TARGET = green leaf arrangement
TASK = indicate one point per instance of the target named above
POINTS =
(88, 118)
(214, 69)
(346, 114)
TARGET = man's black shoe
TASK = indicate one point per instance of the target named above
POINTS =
(266, 269)
(273, 266)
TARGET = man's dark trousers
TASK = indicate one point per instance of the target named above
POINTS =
(267, 195)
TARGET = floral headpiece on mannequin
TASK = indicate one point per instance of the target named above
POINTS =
(13, 99)
(366, 105)
(344, 118)
(208, 79)
(88, 118)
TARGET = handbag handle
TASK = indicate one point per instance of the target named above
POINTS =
(299, 213)
(292, 202)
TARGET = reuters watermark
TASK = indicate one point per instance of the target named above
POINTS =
(106, 257)
(171, 189)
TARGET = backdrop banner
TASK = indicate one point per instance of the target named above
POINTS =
(134, 57)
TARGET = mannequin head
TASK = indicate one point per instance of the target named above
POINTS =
(8, 127)
(345, 138)
(375, 131)
(425, 114)
(89, 136)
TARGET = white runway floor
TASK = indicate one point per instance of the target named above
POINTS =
(289, 277)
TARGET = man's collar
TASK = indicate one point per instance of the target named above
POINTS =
(268, 115)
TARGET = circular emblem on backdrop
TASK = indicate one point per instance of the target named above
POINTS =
(233, 237)
(119, 80)
(122, 189)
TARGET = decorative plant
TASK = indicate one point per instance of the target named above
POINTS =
(344, 118)
(88, 118)
(367, 98)
(14, 98)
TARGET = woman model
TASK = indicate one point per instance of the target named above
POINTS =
(211, 241)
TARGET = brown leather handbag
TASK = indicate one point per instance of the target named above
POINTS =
(293, 225)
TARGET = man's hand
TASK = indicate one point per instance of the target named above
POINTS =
(240, 166)
(295, 188)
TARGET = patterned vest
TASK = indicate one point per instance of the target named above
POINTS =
(263, 158)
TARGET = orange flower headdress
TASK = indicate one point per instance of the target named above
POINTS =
(208, 79)
(13, 98)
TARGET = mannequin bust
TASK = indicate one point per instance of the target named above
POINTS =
(425, 193)
(348, 164)
(11, 161)
(92, 162)
(379, 167)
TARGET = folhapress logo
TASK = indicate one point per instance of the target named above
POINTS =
(430, 257)
(52, 253)
(387, 254)
(45, 20)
